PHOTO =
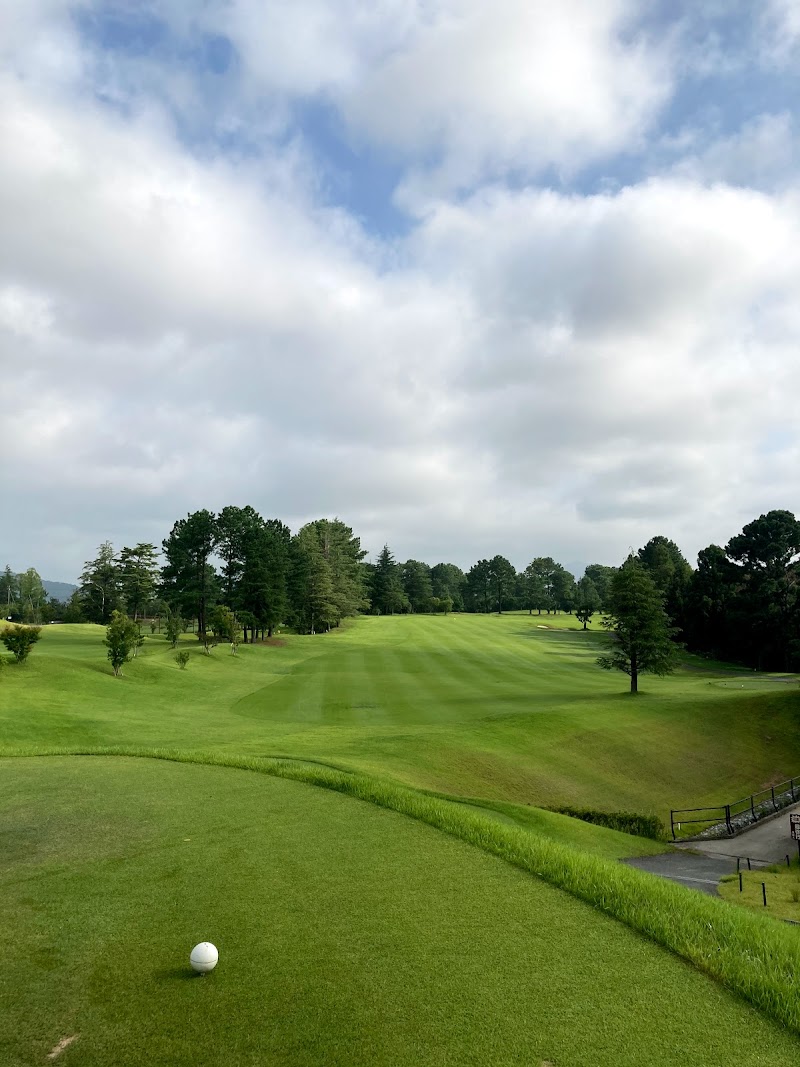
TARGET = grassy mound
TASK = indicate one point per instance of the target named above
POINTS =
(348, 934)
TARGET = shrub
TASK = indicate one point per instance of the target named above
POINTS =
(19, 640)
(182, 658)
(629, 822)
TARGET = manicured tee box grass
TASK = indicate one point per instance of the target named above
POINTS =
(348, 935)
(782, 885)
(511, 708)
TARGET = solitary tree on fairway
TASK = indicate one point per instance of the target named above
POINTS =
(639, 624)
(122, 637)
(588, 600)
(19, 640)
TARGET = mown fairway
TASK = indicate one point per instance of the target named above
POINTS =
(480, 706)
(349, 935)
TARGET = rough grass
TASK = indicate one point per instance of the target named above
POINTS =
(783, 890)
(348, 934)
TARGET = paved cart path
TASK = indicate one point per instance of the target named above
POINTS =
(701, 864)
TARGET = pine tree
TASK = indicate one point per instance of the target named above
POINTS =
(310, 583)
(100, 585)
(188, 581)
(138, 576)
(387, 588)
(640, 626)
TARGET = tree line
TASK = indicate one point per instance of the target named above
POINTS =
(741, 602)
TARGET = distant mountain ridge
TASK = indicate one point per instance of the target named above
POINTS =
(60, 590)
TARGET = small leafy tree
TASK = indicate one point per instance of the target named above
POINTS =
(588, 600)
(19, 640)
(182, 658)
(639, 624)
(584, 615)
(122, 639)
(137, 644)
(173, 627)
(226, 626)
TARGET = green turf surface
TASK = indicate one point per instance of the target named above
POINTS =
(782, 886)
(502, 708)
(348, 935)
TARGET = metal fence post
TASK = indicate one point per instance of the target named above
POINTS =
(672, 823)
(728, 818)
(775, 806)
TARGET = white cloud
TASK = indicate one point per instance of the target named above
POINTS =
(458, 88)
(524, 372)
(764, 153)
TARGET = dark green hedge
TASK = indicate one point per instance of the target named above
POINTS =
(629, 822)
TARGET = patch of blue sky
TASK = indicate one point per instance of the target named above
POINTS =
(355, 175)
(777, 439)
(133, 33)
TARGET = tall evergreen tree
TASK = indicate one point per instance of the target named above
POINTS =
(310, 583)
(642, 634)
(236, 529)
(9, 590)
(417, 586)
(711, 610)
(344, 555)
(387, 588)
(601, 576)
(478, 587)
(531, 590)
(545, 569)
(32, 595)
(502, 578)
(563, 590)
(767, 552)
(262, 593)
(447, 584)
(100, 585)
(138, 577)
(188, 581)
(671, 573)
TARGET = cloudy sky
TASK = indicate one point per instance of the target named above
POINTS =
(516, 277)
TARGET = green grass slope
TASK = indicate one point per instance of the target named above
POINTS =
(507, 708)
(348, 935)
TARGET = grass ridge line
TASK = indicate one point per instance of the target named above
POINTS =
(749, 954)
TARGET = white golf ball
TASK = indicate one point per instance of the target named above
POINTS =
(203, 957)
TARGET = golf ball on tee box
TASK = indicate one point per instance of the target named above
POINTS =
(203, 957)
